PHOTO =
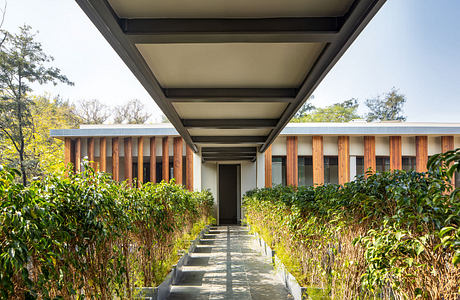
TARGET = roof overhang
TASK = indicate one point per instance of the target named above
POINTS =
(230, 74)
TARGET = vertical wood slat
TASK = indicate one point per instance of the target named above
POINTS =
(153, 160)
(115, 159)
(90, 149)
(140, 161)
(447, 144)
(268, 167)
(421, 150)
(395, 153)
(291, 161)
(369, 153)
(128, 159)
(67, 151)
(318, 160)
(165, 161)
(177, 160)
(189, 168)
(103, 154)
(78, 155)
(344, 158)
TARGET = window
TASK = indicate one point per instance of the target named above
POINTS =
(408, 163)
(305, 170)
(359, 165)
(278, 170)
(382, 163)
(331, 169)
(146, 171)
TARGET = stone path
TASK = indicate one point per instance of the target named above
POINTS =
(226, 265)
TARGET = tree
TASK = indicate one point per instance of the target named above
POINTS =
(92, 111)
(132, 112)
(22, 63)
(338, 112)
(305, 109)
(386, 109)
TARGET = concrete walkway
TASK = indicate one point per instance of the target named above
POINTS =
(226, 265)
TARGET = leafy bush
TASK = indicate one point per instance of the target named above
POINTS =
(86, 236)
(388, 235)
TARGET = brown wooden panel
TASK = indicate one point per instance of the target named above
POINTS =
(369, 153)
(153, 160)
(103, 154)
(343, 144)
(268, 167)
(67, 151)
(421, 150)
(115, 159)
(90, 148)
(165, 161)
(78, 155)
(189, 168)
(395, 153)
(140, 161)
(177, 161)
(291, 161)
(128, 159)
(318, 160)
(447, 144)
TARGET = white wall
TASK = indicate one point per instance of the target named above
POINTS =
(382, 146)
(209, 180)
(279, 146)
(197, 172)
(330, 146)
(408, 146)
(260, 172)
(357, 145)
(305, 145)
(434, 145)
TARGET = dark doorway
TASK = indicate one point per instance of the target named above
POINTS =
(228, 194)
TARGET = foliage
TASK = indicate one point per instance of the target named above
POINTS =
(388, 235)
(22, 64)
(132, 112)
(338, 112)
(85, 236)
(305, 109)
(386, 109)
(92, 111)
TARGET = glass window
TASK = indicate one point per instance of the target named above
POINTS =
(359, 165)
(331, 169)
(382, 163)
(305, 171)
(408, 163)
(278, 170)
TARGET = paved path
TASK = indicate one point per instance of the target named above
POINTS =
(226, 265)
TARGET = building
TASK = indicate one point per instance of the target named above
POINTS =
(303, 154)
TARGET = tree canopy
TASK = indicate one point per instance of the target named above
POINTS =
(338, 112)
(386, 109)
(132, 112)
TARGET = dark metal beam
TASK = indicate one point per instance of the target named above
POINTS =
(105, 19)
(231, 94)
(227, 149)
(228, 30)
(250, 158)
(229, 123)
(356, 20)
(229, 139)
(206, 155)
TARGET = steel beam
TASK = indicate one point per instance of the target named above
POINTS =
(230, 94)
(227, 149)
(229, 123)
(229, 139)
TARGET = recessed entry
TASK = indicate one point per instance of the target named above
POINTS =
(231, 65)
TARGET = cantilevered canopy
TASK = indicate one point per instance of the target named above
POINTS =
(229, 75)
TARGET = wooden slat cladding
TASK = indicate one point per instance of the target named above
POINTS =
(189, 168)
(291, 161)
(115, 159)
(90, 150)
(395, 153)
(128, 159)
(165, 161)
(177, 160)
(421, 150)
(343, 145)
(153, 160)
(268, 167)
(318, 160)
(369, 153)
(103, 154)
(67, 151)
(140, 161)
(447, 144)
(78, 155)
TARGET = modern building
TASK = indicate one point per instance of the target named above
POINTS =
(303, 154)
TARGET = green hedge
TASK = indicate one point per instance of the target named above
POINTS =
(86, 236)
(393, 233)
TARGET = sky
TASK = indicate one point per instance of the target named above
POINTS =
(411, 45)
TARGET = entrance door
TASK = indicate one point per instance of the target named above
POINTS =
(228, 194)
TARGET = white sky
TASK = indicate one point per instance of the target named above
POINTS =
(412, 45)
